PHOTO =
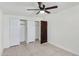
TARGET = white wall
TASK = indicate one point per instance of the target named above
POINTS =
(6, 32)
(1, 32)
(64, 29)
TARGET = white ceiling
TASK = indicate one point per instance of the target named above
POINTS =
(20, 8)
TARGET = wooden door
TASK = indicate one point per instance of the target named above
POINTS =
(43, 32)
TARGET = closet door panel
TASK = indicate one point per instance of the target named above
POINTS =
(14, 31)
(30, 31)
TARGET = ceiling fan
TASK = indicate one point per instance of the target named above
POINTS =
(42, 8)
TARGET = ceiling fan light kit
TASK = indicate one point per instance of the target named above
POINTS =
(42, 8)
(42, 12)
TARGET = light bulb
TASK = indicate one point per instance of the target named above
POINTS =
(42, 12)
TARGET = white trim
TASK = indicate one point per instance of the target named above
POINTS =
(59, 46)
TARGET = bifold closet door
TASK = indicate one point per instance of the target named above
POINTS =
(14, 31)
(30, 31)
(23, 31)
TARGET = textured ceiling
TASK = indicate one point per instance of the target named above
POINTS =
(19, 8)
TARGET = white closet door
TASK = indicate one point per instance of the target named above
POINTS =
(23, 31)
(14, 31)
(30, 31)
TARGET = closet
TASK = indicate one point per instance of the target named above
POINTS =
(21, 30)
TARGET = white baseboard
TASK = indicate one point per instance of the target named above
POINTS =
(59, 46)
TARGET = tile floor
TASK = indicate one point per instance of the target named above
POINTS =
(35, 49)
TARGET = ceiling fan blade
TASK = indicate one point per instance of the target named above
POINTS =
(32, 9)
(38, 12)
(40, 5)
(51, 7)
(43, 6)
(47, 12)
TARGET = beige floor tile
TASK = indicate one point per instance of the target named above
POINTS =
(36, 49)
